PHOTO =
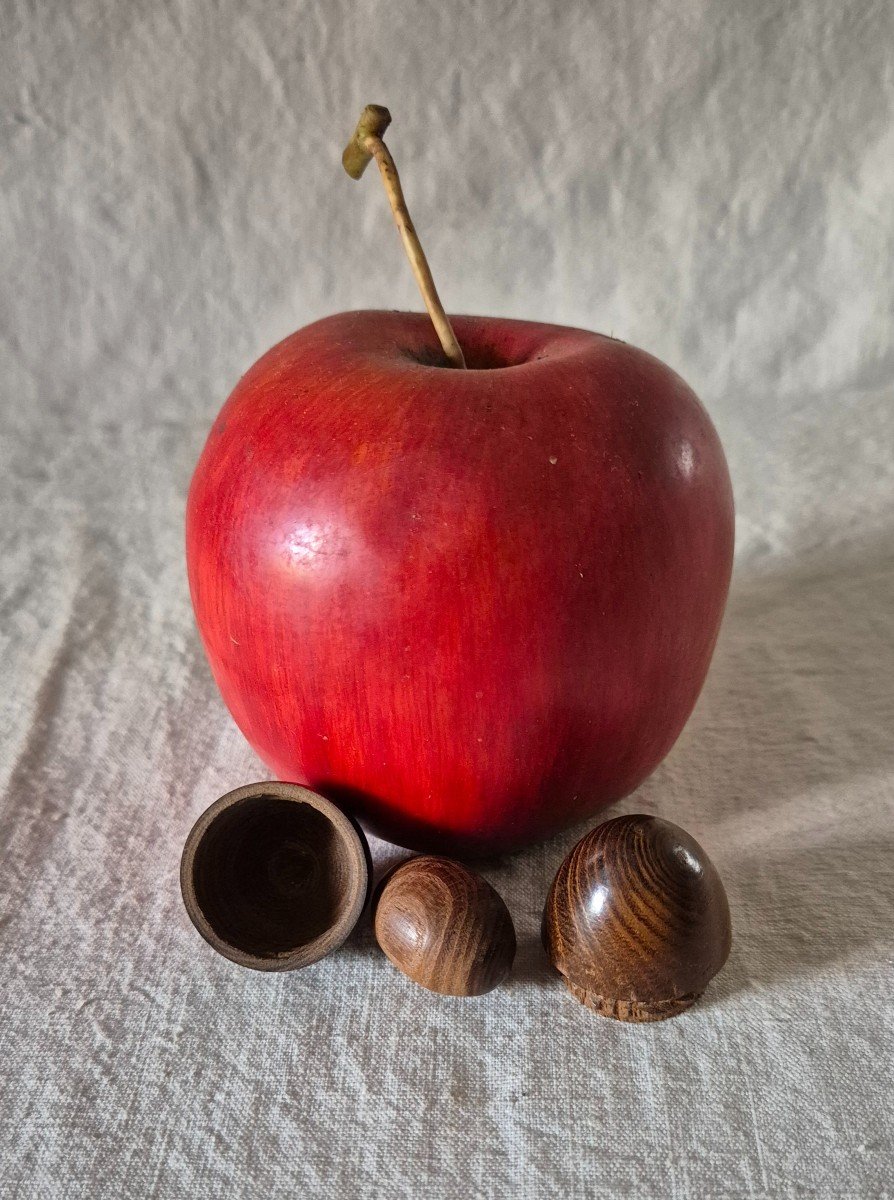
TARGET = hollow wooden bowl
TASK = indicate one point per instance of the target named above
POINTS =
(274, 876)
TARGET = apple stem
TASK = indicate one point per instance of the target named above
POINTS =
(365, 145)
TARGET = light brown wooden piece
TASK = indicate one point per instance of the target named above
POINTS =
(444, 926)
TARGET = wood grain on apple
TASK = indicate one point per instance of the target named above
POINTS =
(474, 606)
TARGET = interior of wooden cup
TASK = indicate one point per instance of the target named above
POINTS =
(274, 876)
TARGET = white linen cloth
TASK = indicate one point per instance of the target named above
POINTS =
(712, 182)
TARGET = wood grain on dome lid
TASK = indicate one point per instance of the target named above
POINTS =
(637, 919)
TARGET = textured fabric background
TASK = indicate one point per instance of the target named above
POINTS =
(711, 181)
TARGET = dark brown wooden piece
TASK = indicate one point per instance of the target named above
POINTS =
(444, 926)
(274, 877)
(637, 920)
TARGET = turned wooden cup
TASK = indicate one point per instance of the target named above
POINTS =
(274, 877)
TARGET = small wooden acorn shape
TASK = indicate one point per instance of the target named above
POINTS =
(637, 920)
(444, 926)
(274, 877)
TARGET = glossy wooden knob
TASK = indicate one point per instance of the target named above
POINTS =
(274, 876)
(444, 926)
(637, 920)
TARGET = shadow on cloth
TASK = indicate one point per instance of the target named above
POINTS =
(798, 712)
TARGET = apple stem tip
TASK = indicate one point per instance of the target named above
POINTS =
(374, 120)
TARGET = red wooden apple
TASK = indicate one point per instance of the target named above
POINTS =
(474, 605)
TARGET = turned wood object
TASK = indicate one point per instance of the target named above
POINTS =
(444, 926)
(637, 920)
(274, 876)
